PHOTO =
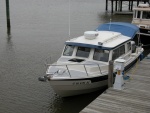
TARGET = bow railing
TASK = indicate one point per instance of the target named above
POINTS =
(76, 70)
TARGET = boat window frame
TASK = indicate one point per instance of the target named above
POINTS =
(118, 52)
(138, 14)
(128, 47)
(71, 53)
(135, 14)
(147, 15)
(82, 55)
(103, 58)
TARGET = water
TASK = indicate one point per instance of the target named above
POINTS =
(39, 29)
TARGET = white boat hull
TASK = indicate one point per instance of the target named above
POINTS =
(72, 87)
(67, 88)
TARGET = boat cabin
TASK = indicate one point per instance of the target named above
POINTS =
(97, 46)
(141, 16)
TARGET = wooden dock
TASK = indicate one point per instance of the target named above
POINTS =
(135, 98)
(118, 5)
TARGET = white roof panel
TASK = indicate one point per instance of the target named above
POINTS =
(109, 39)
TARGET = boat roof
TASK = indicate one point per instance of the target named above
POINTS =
(124, 28)
(103, 40)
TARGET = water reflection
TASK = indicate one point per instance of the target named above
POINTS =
(106, 16)
(72, 104)
(9, 32)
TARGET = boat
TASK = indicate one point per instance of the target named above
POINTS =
(83, 65)
(141, 18)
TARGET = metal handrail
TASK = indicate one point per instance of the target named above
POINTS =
(84, 65)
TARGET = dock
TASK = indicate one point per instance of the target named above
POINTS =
(134, 98)
(118, 5)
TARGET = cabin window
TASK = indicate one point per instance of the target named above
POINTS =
(134, 14)
(118, 52)
(83, 52)
(138, 14)
(146, 15)
(68, 50)
(115, 54)
(122, 50)
(128, 46)
(101, 55)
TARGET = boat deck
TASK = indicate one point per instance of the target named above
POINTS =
(135, 98)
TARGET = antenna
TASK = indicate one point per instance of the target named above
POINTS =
(69, 19)
(110, 24)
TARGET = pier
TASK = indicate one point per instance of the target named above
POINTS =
(134, 98)
(117, 5)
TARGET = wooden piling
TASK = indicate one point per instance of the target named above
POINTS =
(119, 5)
(112, 6)
(8, 16)
(116, 5)
(106, 8)
(110, 74)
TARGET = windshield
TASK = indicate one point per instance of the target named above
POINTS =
(68, 50)
(101, 55)
(83, 52)
(146, 15)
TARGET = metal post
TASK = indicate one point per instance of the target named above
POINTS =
(85, 70)
(99, 69)
(8, 17)
(68, 71)
(110, 74)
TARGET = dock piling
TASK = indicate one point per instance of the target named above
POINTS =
(119, 5)
(110, 74)
(8, 17)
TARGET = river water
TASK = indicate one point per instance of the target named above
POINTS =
(39, 29)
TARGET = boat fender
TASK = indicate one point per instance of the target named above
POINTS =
(43, 79)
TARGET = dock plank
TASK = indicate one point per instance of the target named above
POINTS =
(134, 98)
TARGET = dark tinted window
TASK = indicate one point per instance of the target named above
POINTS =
(83, 52)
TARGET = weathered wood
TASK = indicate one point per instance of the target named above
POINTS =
(119, 4)
(110, 74)
(116, 6)
(112, 6)
(8, 17)
(106, 8)
(135, 98)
